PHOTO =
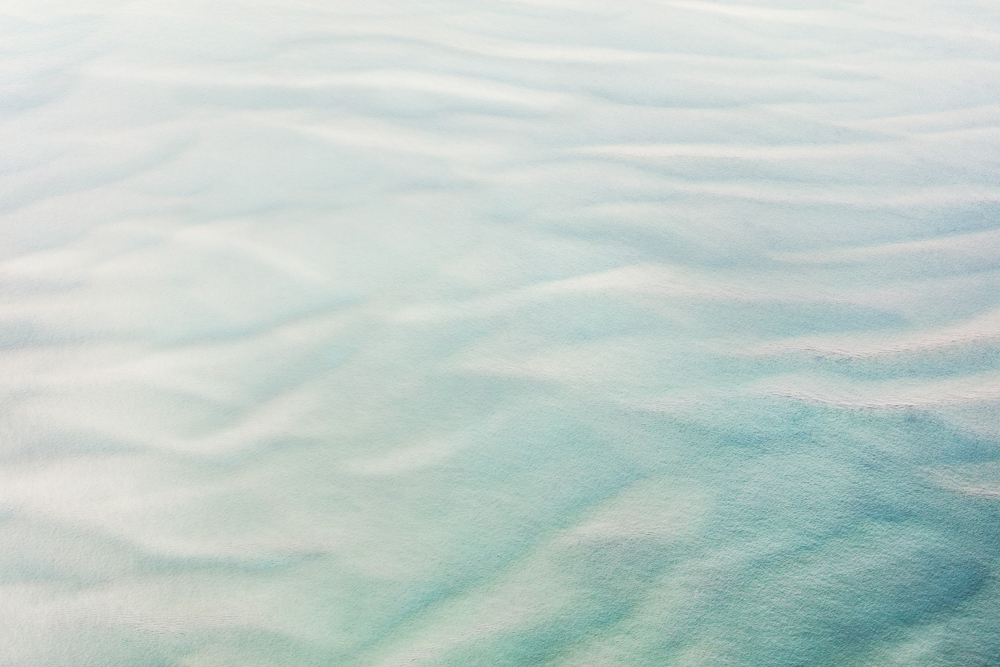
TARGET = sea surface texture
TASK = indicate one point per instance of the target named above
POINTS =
(446, 333)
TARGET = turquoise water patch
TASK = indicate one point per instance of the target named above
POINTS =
(537, 333)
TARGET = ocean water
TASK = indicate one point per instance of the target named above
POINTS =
(525, 332)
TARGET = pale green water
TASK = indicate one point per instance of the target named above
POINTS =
(499, 334)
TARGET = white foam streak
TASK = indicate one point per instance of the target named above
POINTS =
(890, 395)
(981, 330)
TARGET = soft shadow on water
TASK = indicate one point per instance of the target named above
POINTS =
(517, 333)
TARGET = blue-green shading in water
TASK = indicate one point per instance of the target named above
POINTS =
(521, 333)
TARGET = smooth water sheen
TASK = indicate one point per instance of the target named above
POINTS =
(537, 332)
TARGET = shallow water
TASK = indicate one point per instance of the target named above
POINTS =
(515, 333)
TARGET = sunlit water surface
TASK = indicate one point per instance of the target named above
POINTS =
(444, 333)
